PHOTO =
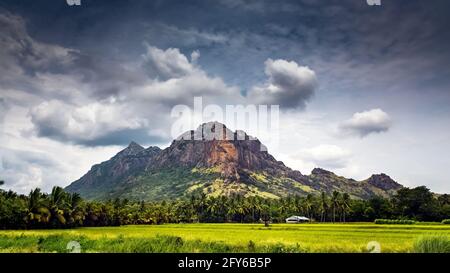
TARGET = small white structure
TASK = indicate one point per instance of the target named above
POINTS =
(296, 219)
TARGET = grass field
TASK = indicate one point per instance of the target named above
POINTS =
(224, 238)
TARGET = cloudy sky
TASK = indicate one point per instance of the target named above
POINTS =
(362, 89)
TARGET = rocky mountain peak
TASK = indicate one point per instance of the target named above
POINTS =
(207, 132)
(134, 146)
(384, 182)
(319, 171)
(132, 149)
(212, 144)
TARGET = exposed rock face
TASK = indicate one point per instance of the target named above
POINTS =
(319, 171)
(132, 149)
(384, 182)
(214, 145)
(215, 160)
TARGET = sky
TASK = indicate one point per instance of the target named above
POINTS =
(361, 89)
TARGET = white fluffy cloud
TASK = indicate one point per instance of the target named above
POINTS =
(173, 79)
(85, 124)
(289, 85)
(367, 122)
(44, 163)
(327, 156)
(166, 64)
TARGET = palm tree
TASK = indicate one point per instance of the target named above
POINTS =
(201, 205)
(193, 208)
(266, 215)
(76, 212)
(241, 210)
(298, 203)
(213, 207)
(224, 206)
(345, 204)
(323, 206)
(255, 207)
(335, 203)
(286, 206)
(58, 204)
(308, 203)
(37, 211)
(232, 209)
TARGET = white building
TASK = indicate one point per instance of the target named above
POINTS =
(297, 219)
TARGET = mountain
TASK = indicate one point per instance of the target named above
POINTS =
(113, 172)
(216, 161)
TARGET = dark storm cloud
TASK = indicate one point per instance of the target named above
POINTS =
(16, 44)
(117, 137)
(25, 59)
(101, 51)
(243, 34)
(22, 57)
(124, 137)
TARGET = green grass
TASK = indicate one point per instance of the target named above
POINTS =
(432, 244)
(231, 238)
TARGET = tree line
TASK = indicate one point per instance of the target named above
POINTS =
(59, 209)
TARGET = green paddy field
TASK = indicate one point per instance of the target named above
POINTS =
(230, 238)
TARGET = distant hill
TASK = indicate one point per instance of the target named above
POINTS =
(216, 161)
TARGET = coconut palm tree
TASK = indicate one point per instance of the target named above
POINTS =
(231, 208)
(58, 204)
(345, 204)
(335, 203)
(298, 204)
(286, 206)
(255, 207)
(37, 211)
(76, 212)
(323, 206)
(308, 204)
(265, 213)
(200, 205)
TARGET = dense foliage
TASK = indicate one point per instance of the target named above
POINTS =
(394, 222)
(432, 244)
(59, 209)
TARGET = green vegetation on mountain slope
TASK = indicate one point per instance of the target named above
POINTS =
(180, 182)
